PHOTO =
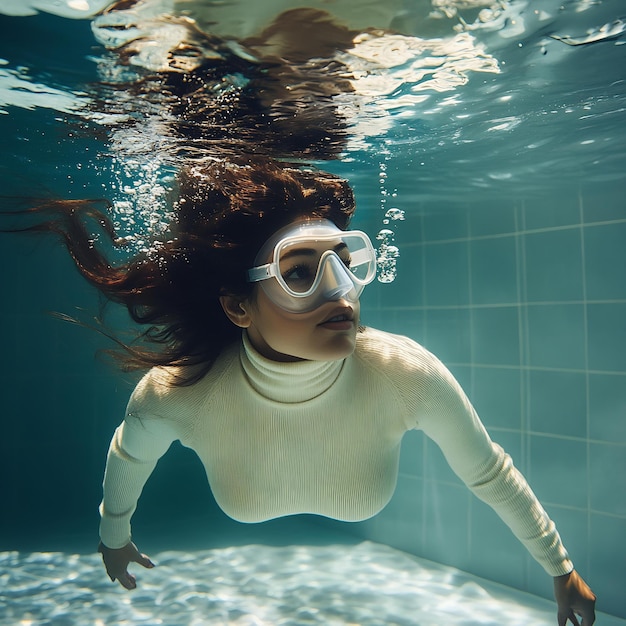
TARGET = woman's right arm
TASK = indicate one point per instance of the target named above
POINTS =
(137, 445)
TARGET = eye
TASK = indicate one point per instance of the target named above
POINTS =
(299, 277)
(297, 272)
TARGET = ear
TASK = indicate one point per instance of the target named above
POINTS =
(236, 311)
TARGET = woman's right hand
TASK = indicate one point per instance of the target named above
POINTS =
(116, 563)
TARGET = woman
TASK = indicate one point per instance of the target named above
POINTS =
(259, 364)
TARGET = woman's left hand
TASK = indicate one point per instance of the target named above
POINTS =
(574, 597)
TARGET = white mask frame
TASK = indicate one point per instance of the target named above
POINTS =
(329, 277)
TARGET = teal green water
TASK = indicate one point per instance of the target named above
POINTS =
(511, 269)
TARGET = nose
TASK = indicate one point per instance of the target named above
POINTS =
(336, 280)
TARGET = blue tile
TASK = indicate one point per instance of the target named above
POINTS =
(496, 396)
(463, 375)
(607, 407)
(492, 218)
(495, 334)
(445, 222)
(605, 261)
(399, 523)
(607, 478)
(496, 554)
(511, 443)
(554, 266)
(607, 555)
(377, 318)
(494, 271)
(573, 527)
(446, 278)
(546, 213)
(603, 203)
(408, 232)
(407, 289)
(406, 503)
(556, 336)
(412, 454)
(558, 403)
(558, 470)
(407, 322)
(607, 337)
(436, 467)
(448, 334)
(446, 524)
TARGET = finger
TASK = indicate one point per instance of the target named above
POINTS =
(128, 581)
(144, 560)
(124, 578)
(572, 617)
(563, 618)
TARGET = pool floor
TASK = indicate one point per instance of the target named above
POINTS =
(365, 584)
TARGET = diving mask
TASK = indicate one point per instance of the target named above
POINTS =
(313, 262)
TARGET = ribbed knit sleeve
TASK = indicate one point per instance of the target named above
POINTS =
(138, 443)
(437, 405)
(451, 422)
(448, 418)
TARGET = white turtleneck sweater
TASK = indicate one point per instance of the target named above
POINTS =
(318, 437)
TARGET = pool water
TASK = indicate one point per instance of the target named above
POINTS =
(486, 146)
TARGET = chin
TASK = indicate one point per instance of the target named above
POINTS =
(338, 351)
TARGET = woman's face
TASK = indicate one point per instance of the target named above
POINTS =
(322, 327)
(327, 333)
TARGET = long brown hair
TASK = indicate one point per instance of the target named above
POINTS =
(223, 213)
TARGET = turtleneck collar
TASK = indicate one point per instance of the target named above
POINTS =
(292, 382)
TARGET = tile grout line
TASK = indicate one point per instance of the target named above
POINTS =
(472, 352)
(525, 420)
(530, 231)
(581, 209)
(424, 339)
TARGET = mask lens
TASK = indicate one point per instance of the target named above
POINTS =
(298, 264)
(360, 259)
(299, 261)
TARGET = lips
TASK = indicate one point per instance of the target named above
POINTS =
(343, 316)
(337, 318)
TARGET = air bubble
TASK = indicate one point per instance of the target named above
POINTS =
(395, 214)
(385, 235)
(386, 260)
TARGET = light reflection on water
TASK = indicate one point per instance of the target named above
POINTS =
(366, 584)
(462, 95)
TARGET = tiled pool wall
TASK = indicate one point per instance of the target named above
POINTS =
(525, 301)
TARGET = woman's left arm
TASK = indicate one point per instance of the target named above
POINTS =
(448, 418)
(574, 598)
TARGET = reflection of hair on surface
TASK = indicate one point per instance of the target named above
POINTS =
(300, 35)
(271, 94)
